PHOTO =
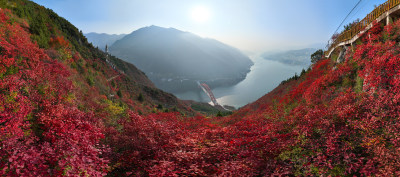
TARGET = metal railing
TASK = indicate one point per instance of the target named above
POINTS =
(357, 28)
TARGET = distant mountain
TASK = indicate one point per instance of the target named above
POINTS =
(174, 60)
(103, 39)
(292, 57)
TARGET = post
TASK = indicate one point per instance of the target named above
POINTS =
(352, 48)
(388, 19)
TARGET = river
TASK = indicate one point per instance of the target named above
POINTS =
(263, 77)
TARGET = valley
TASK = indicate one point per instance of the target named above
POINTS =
(175, 60)
(255, 85)
(238, 91)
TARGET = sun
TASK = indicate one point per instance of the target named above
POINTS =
(201, 14)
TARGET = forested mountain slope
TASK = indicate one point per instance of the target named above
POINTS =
(58, 95)
(338, 119)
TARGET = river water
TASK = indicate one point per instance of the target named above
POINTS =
(263, 77)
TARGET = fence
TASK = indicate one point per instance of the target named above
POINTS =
(357, 28)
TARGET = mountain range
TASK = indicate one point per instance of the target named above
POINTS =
(100, 40)
(175, 60)
(291, 57)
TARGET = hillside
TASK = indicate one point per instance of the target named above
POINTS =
(62, 41)
(338, 119)
(67, 109)
(292, 57)
(103, 39)
(58, 95)
(174, 60)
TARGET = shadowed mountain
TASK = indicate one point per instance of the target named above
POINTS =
(174, 60)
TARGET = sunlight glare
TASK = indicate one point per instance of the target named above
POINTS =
(201, 14)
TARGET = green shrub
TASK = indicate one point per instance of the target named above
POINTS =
(140, 97)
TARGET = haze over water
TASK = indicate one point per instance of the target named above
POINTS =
(264, 76)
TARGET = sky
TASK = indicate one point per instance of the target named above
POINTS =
(253, 26)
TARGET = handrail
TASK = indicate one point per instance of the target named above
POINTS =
(357, 28)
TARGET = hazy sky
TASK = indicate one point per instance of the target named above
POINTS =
(250, 25)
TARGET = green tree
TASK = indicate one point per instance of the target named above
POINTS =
(351, 24)
(140, 97)
(90, 80)
(119, 93)
(317, 55)
(219, 114)
(302, 72)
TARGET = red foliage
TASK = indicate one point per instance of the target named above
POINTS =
(334, 121)
(58, 41)
(337, 120)
(41, 133)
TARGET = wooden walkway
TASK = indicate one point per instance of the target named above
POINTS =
(386, 13)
